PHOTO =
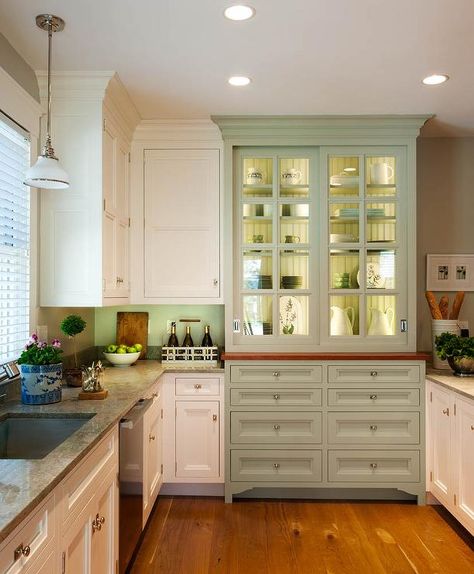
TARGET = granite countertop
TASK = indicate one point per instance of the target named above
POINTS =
(462, 385)
(24, 483)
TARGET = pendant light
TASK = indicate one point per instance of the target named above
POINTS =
(47, 172)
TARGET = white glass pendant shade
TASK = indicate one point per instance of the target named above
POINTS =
(47, 173)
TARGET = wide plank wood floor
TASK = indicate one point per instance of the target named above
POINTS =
(206, 536)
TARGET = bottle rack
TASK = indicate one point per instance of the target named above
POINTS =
(208, 355)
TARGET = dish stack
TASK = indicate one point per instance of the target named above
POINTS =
(292, 281)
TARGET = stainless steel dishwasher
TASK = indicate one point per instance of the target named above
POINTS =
(131, 482)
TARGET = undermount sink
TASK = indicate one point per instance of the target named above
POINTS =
(33, 437)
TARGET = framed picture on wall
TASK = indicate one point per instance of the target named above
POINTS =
(450, 272)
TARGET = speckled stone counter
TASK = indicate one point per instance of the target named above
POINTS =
(24, 483)
(462, 385)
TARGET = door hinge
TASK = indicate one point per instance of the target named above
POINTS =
(454, 409)
(431, 476)
(175, 467)
(129, 160)
(431, 396)
(403, 325)
(175, 411)
(236, 326)
(454, 500)
(63, 568)
(104, 123)
(129, 221)
(161, 413)
(161, 469)
(104, 203)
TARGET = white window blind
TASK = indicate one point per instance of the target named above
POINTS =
(14, 241)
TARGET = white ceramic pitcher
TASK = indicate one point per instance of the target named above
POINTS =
(381, 173)
(341, 324)
(381, 323)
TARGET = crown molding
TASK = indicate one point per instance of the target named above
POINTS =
(168, 131)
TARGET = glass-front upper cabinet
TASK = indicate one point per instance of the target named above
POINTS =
(366, 234)
(276, 262)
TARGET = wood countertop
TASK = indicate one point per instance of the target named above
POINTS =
(326, 356)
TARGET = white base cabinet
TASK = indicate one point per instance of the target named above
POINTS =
(193, 428)
(451, 444)
(75, 530)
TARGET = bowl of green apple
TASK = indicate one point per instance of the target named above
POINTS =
(123, 355)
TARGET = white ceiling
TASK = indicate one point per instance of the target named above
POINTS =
(304, 56)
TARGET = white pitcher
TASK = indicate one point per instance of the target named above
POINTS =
(381, 323)
(381, 173)
(341, 324)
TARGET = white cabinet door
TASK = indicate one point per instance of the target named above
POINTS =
(153, 457)
(115, 174)
(464, 462)
(440, 448)
(181, 211)
(104, 548)
(197, 439)
(76, 543)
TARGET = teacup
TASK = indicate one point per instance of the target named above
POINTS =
(254, 176)
(291, 176)
(292, 239)
(381, 173)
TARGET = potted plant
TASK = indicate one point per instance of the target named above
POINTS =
(41, 372)
(459, 352)
(71, 326)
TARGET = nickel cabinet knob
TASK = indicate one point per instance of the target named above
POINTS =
(214, 418)
(151, 437)
(276, 465)
(197, 386)
(373, 427)
(216, 282)
(446, 412)
(373, 397)
(276, 374)
(373, 373)
(276, 396)
(276, 427)
(373, 465)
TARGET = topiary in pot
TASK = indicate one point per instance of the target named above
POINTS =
(73, 325)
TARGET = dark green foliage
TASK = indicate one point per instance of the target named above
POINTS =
(451, 345)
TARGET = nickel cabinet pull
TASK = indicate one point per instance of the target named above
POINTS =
(197, 386)
(373, 397)
(373, 465)
(373, 427)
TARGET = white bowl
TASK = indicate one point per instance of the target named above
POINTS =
(122, 359)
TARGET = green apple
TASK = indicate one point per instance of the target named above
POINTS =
(111, 348)
(122, 346)
(121, 351)
(131, 350)
(138, 347)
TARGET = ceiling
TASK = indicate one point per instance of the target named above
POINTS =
(304, 56)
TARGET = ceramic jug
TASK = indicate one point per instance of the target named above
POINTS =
(341, 324)
(381, 323)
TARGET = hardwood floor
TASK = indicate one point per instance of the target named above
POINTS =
(206, 536)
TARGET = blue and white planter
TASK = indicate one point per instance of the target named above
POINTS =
(41, 384)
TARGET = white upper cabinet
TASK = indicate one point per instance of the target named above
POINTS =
(175, 213)
(84, 230)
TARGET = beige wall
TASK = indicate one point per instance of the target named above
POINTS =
(445, 215)
(52, 317)
(17, 68)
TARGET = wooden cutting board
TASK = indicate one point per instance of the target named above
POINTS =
(132, 327)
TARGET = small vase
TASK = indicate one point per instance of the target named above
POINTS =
(41, 384)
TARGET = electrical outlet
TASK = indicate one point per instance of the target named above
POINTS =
(169, 324)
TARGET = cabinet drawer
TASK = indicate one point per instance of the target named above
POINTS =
(275, 374)
(197, 387)
(373, 397)
(374, 428)
(276, 427)
(374, 466)
(374, 374)
(280, 398)
(79, 487)
(276, 465)
(32, 536)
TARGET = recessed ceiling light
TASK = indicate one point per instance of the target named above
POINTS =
(350, 169)
(239, 12)
(239, 81)
(435, 79)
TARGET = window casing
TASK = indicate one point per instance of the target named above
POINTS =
(14, 240)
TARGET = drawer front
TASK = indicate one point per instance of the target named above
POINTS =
(374, 466)
(279, 398)
(276, 465)
(373, 428)
(79, 487)
(374, 374)
(32, 537)
(276, 427)
(378, 397)
(276, 374)
(187, 387)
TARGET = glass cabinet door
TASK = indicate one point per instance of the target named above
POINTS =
(277, 266)
(363, 246)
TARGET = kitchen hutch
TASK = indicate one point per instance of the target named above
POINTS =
(320, 265)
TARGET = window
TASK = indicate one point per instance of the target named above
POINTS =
(14, 240)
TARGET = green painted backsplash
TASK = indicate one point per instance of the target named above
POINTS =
(213, 315)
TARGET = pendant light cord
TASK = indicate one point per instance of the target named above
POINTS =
(50, 39)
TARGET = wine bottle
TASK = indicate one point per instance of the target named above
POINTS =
(188, 340)
(207, 341)
(173, 340)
